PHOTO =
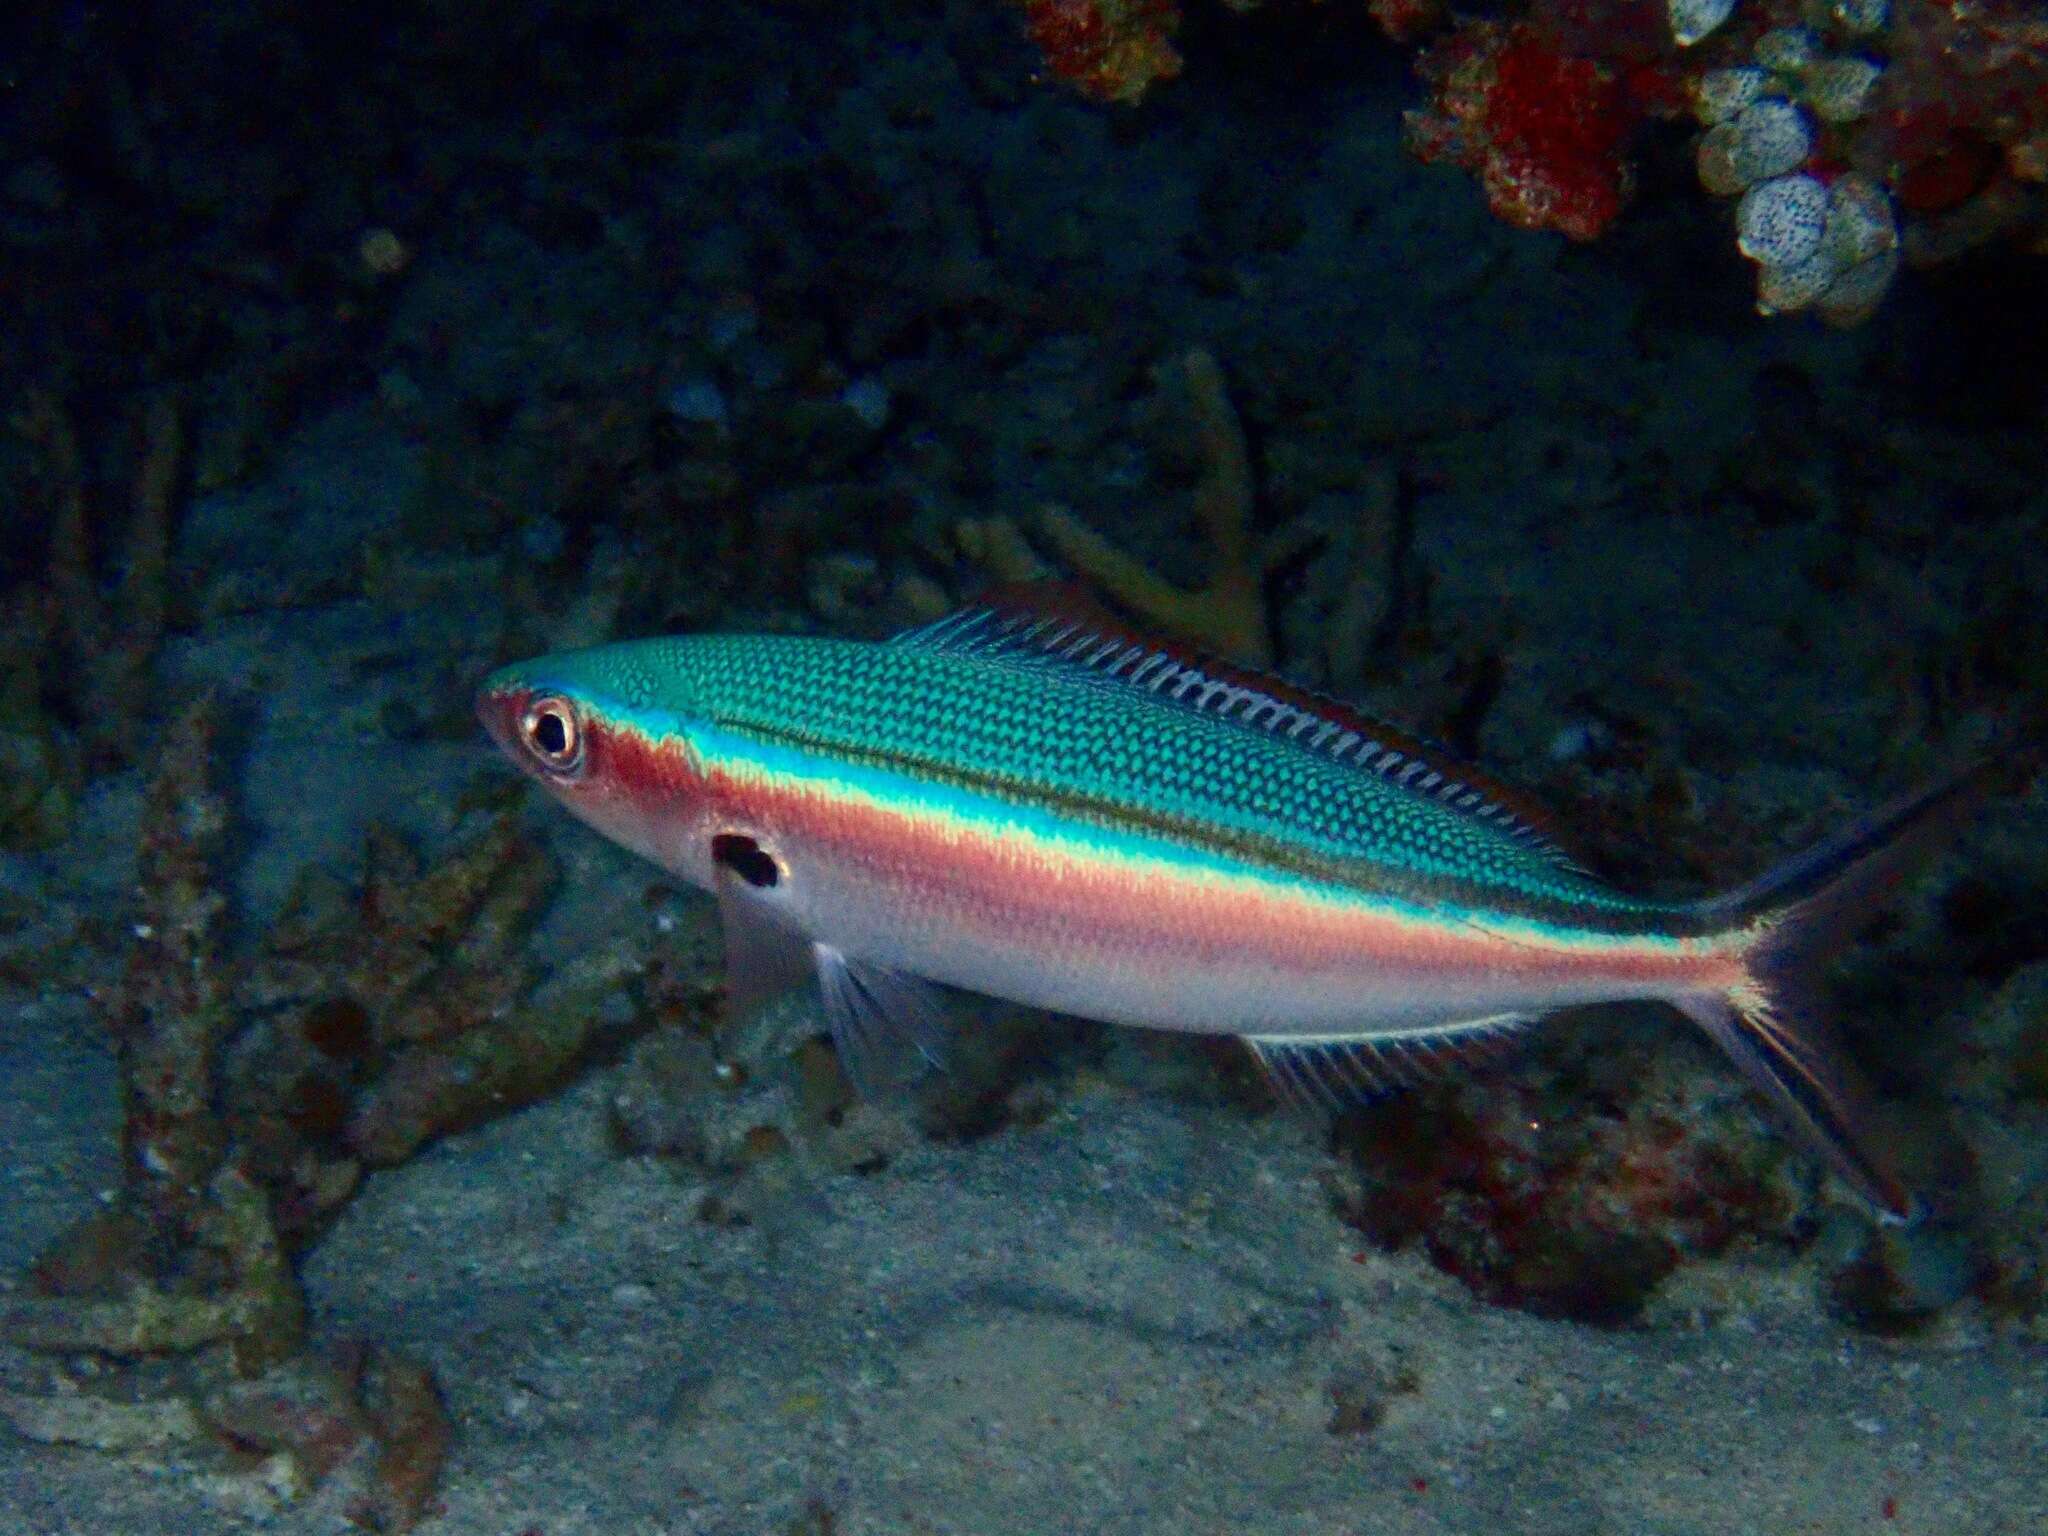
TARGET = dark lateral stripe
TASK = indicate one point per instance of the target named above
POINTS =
(1366, 877)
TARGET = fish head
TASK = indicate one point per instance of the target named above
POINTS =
(608, 732)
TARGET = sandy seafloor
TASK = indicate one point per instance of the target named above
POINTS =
(1128, 1320)
(1138, 1314)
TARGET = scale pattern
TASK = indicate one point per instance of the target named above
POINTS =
(1102, 750)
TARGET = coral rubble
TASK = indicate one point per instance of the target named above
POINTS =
(1574, 1189)
(254, 1095)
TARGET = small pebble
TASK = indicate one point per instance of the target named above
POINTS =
(868, 398)
(383, 253)
(699, 402)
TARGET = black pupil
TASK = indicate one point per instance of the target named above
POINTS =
(745, 858)
(551, 734)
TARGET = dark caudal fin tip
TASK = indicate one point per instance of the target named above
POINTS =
(1813, 898)
(1791, 918)
(1794, 1067)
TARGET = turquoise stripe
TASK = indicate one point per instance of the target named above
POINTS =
(1106, 758)
(786, 770)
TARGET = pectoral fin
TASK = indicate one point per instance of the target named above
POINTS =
(765, 955)
(888, 1026)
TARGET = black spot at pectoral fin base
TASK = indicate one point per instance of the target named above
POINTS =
(744, 857)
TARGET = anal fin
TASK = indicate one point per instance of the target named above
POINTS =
(1340, 1071)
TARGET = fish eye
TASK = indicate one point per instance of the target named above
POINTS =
(550, 730)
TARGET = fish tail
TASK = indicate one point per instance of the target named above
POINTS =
(1790, 920)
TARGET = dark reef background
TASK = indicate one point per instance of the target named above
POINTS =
(374, 1153)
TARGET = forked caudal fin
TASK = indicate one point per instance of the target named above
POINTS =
(1794, 916)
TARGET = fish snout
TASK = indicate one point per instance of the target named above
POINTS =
(498, 710)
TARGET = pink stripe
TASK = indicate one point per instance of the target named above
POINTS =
(1162, 914)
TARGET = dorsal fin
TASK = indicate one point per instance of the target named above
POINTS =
(1064, 625)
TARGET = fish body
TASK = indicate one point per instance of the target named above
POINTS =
(1046, 809)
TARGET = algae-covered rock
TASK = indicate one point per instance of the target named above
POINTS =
(2003, 1083)
(1574, 1187)
(2017, 1023)
(39, 770)
(38, 793)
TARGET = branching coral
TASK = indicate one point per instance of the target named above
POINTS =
(1228, 614)
(365, 1418)
(187, 1257)
(170, 1012)
(401, 1006)
(77, 643)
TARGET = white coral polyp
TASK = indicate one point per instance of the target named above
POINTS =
(1863, 16)
(1772, 137)
(1692, 20)
(1715, 158)
(1786, 50)
(1721, 93)
(1838, 90)
(1780, 290)
(1779, 223)
(1861, 224)
(1853, 295)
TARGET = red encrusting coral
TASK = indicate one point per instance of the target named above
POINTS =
(1108, 50)
(1546, 129)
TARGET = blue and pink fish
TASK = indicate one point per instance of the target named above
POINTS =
(1026, 801)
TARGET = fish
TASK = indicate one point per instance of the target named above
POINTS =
(1030, 801)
